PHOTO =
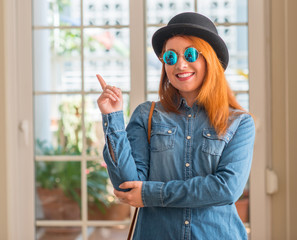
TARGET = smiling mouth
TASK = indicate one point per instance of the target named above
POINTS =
(184, 76)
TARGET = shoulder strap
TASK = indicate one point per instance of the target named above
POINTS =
(149, 126)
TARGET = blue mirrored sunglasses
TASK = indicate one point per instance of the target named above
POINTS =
(191, 55)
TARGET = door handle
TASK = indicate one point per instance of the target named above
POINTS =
(24, 128)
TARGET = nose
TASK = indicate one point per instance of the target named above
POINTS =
(181, 63)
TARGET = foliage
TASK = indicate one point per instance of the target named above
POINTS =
(67, 175)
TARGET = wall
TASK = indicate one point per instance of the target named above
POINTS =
(284, 117)
(3, 189)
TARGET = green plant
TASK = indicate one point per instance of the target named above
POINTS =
(67, 176)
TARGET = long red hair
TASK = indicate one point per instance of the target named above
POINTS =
(215, 94)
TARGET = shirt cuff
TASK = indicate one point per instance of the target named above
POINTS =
(113, 122)
(151, 194)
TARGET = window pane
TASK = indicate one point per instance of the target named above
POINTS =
(58, 233)
(224, 10)
(106, 12)
(108, 233)
(58, 125)
(102, 204)
(153, 97)
(162, 11)
(56, 13)
(57, 63)
(93, 124)
(58, 190)
(154, 65)
(107, 52)
(243, 99)
(236, 38)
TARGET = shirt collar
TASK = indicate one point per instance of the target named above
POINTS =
(183, 104)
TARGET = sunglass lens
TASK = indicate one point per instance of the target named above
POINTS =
(170, 57)
(191, 54)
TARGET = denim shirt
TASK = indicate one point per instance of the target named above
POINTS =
(191, 176)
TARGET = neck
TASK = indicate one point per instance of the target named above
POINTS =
(190, 98)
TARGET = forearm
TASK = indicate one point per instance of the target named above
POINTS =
(212, 190)
(220, 188)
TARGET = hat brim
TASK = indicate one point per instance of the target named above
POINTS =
(216, 42)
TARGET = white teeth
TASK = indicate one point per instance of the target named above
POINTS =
(181, 75)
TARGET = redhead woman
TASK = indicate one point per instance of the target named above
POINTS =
(187, 179)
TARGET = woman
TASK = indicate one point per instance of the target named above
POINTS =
(188, 178)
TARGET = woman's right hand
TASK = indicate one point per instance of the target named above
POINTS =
(111, 99)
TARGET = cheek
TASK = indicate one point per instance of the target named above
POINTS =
(168, 71)
(202, 68)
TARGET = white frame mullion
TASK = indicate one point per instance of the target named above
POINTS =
(84, 190)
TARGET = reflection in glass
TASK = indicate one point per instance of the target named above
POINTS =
(56, 13)
(58, 125)
(58, 190)
(224, 11)
(108, 233)
(159, 12)
(93, 124)
(57, 63)
(106, 12)
(107, 52)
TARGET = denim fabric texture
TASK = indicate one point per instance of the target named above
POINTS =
(191, 176)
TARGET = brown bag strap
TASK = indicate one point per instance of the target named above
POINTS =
(149, 126)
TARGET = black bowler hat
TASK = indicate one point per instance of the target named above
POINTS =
(194, 24)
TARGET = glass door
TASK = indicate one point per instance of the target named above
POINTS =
(231, 19)
(72, 42)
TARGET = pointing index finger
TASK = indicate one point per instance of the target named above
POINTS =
(101, 81)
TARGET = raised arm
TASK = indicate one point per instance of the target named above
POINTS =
(117, 152)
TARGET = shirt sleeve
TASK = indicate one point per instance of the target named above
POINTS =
(223, 187)
(128, 165)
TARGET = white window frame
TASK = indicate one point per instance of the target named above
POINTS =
(19, 107)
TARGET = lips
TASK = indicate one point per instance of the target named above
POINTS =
(184, 76)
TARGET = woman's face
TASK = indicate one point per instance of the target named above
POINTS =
(187, 77)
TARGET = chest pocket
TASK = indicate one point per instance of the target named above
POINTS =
(212, 143)
(162, 137)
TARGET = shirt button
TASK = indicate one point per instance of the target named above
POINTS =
(208, 134)
(105, 124)
(187, 222)
(188, 137)
(187, 164)
(189, 115)
(169, 131)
